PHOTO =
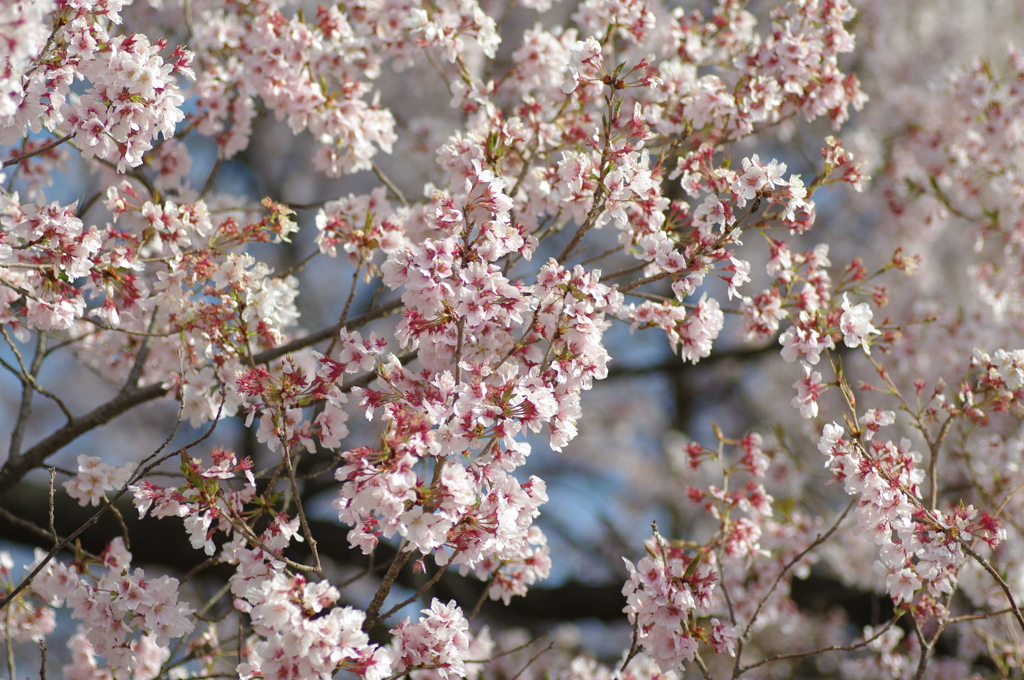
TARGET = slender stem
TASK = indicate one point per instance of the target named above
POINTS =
(532, 659)
(832, 648)
(148, 464)
(53, 530)
(737, 670)
(483, 595)
(999, 579)
(25, 408)
(344, 311)
(705, 673)
(389, 184)
(11, 518)
(600, 193)
(17, 467)
(239, 525)
(212, 177)
(9, 640)
(634, 647)
(460, 333)
(317, 568)
(43, 149)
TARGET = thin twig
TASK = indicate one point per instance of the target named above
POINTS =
(705, 673)
(317, 568)
(927, 647)
(214, 171)
(124, 527)
(389, 184)
(634, 647)
(139, 474)
(933, 461)
(510, 651)
(27, 376)
(238, 523)
(205, 564)
(977, 617)
(25, 408)
(53, 530)
(536, 656)
(9, 640)
(11, 518)
(344, 311)
(778, 579)
(43, 149)
(483, 596)
(208, 605)
(820, 650)
(999, 579)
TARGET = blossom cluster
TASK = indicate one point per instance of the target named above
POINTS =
(114, 607)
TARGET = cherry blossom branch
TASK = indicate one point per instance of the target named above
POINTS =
(382, 176)
(286, 454)
(208, 605)
(705, 673)
(820, 539)
(301, 264)
(634, 647)
(210, 178)
(305, 341)
(344, 311)
(37, 530)
(927, 647)
(509, 651)
(140, 358)
(483, 595)
(17, 467)
(240, 525)
(934, 445)
(202, 566)
(979, 617)
(28, 378)
(135, 174)
(43, 149)
(139, 474)
(529, 663)
(415, 596)
(933, 461)
(397, 563)
(813, 652)
(25, 409)
(600, 192)
(998, 579)
(50, 505)
(987, 496)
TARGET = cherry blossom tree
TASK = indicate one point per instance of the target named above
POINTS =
(352, 290)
